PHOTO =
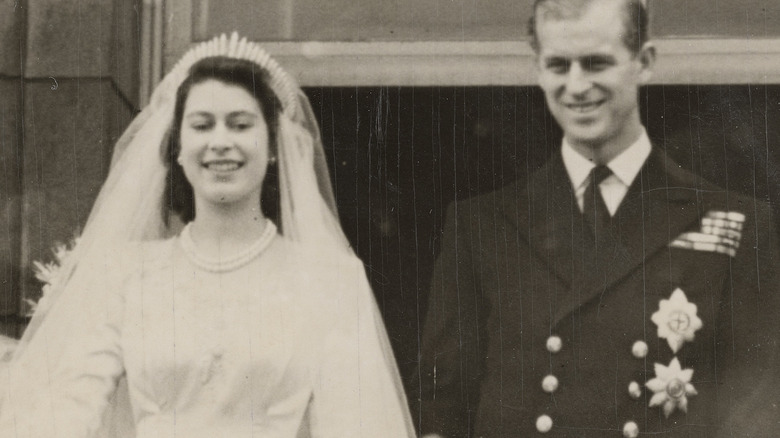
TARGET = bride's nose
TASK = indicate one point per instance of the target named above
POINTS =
(220, 140)
(220, 147)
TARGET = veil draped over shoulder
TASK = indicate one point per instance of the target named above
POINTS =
(128, 209)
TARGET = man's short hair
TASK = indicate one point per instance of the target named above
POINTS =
(635, 21)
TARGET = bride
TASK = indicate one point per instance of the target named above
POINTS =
(255, 320)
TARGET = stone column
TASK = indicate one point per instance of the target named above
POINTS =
(76, 88)
(11, 135)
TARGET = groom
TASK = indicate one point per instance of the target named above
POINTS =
(613, 293)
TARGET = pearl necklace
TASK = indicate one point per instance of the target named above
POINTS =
(226, 264)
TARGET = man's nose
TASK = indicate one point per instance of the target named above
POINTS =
(577, 80)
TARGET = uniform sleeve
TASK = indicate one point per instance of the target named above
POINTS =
(450, 367)
(749, 327)
(357, 391)
(62, 383)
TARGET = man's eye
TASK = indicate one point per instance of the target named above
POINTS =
(597, 64)
(558, 67)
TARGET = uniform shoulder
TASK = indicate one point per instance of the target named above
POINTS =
(486, 204)
(665, 173)
(721, 203)
(714, 197)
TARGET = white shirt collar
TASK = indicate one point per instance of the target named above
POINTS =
(625, 166)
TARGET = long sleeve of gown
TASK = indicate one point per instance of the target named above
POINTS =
(357, 391)
(63, 382)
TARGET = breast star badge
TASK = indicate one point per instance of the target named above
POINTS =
(671, 387)
(676, 320)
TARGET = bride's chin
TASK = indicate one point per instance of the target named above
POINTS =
(225, 198)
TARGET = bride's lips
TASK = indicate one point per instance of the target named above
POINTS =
(222, 165)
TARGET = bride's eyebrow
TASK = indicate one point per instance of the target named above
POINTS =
(198, 114)
(246, 113)
(205, 113)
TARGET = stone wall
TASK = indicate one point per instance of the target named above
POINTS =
(69, 81)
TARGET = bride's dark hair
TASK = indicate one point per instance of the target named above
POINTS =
(179, 198)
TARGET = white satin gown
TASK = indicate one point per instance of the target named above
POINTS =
(289, 344)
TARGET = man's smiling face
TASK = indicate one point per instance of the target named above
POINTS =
(590, 78)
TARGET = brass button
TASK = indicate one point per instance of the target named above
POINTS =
(544, 423)
(639, 349)
(550, 384)
(630, 430)
(634, 390)
(554, 344)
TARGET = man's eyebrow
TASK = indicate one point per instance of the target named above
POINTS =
(583, 60)
(557, 59)
(597, 57)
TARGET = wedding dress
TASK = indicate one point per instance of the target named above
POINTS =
(286, 343)
(142, 336)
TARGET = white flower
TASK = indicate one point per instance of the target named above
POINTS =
(48, 273)
(62, 250)
(45, 273)
(671, 387)
(676, 320)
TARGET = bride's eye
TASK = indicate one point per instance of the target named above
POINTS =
(200, 123)
(242, 122)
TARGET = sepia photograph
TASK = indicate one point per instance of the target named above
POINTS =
(393, 219)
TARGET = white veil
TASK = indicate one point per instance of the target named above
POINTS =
(129, 209)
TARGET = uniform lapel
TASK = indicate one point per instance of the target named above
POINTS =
(550, 220)
(660, 205)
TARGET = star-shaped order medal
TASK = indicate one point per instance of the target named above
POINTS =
(676, 320)
(671, 387)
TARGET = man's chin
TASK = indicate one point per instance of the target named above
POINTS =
(589, 137)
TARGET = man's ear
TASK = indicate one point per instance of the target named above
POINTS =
(646, 58)
(535, 58)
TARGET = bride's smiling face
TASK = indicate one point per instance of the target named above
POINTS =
(224, 143)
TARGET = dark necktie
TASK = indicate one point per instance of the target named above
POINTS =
(595, 210)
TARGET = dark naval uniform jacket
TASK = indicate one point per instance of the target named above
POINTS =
(667, 327)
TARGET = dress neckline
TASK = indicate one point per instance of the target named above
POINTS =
(225, 264)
